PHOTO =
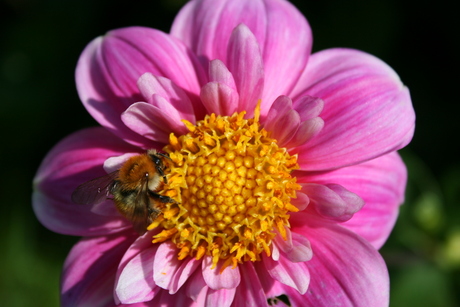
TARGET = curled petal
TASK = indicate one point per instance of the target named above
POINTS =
(218, 72)
(282, 32)
(215, 279)
(275, 252)
(219, 98)
(307, 130)
(186, 269)
(152, 122)
(281, 106)
(73, 161)
(88, 278)
(135, 283)
(138, 258)
(245, 62)
(290, 123)
(367, 110)
(308, 107)
(380, 183)
(110, 66)
(150, 85)
(281, 246)
(301, 201)
(296, 249)
(292, 274)
(297, 128)
(169, 272)
(345, 270)
(333, 201)
(115, 163)
(165, 264)
(281, 114)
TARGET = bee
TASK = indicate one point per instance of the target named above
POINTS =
(133, 189)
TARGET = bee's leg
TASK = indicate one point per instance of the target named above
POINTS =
(161, 198)
(153, 211)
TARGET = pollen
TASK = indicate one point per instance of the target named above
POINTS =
(232, 187)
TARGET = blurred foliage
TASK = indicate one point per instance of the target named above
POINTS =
(40, 42)
(423, 251)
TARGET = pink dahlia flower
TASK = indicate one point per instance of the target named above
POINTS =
(282, 164)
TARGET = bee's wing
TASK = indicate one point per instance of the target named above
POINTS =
(140, 216)
(94, 191)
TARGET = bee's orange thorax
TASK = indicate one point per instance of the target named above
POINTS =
(135, 171)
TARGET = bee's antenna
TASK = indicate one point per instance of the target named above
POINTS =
(164, 156)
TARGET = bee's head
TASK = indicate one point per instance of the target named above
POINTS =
(157, 159)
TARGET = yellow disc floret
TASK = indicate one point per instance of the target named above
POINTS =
(232, 185)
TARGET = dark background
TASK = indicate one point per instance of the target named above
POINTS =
(40, 42)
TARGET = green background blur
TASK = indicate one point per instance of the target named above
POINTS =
(40, 42)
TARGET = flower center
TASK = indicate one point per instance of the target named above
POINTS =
(232, 185)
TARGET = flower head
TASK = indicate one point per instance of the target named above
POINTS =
(281, 166)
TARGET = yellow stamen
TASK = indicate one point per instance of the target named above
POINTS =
(184, 252)
(156, 223)
(200, 252)
(164, 235)
(232, 187)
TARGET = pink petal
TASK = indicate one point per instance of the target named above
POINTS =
(301, 202)
(250, 292)
(280, 29)
(219, 98)
(142, 304)
(287, 128)
(221, 297)
(177, 99)
(367, 111)
(332, 201)
(89, 270)
(245, 62)
(218, 72)
(282, 115)
(169, 272)
(114, 163)
(228, 279)
(135, 283)
(154, 123)
(296, 249)
(206, 26)
(381, 184)
(345, 270)
(292, 274)
(164, 299)
(281, 106)
(307, 130)
(308, 107)
(286, 26)
(110, 66)
(73, 161)
(196, 288)
(135, 264)
(297, 128)
(276, 251)
(282, 245)
(270, 286)
(186, 269)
